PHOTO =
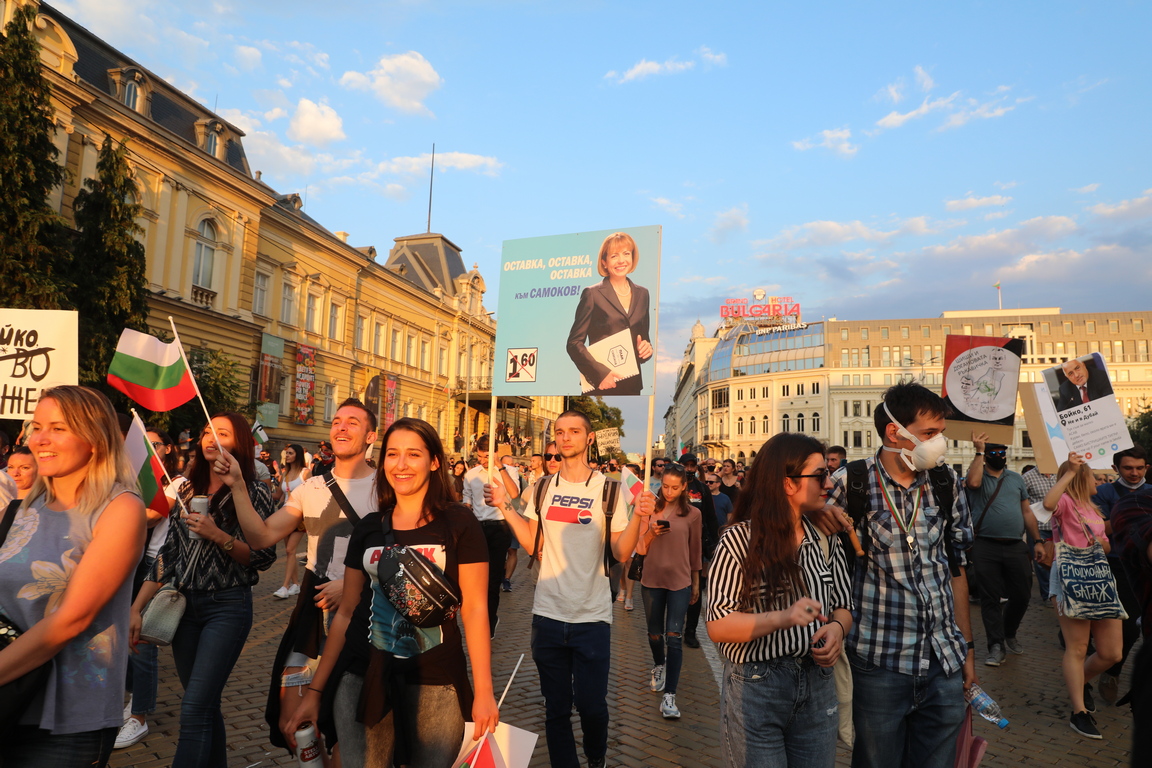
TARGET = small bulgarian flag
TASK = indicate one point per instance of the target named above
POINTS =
(151, 372)
(997, 286)
(146, 465)
(259, 436)
(632, 486)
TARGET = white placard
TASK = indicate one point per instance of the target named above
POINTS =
(39, 348)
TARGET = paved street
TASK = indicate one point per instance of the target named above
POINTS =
(1029, 688)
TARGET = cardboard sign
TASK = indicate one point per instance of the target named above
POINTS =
(981, 374)
(39, 349)
(571, 323)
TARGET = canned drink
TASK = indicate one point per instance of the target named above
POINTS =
(199, 506)
(308, 747)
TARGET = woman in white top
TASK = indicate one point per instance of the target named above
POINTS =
(294, 472)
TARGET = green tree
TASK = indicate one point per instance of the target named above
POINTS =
(33, 259)
(602, 415)
(109, 261)
(1140, 428)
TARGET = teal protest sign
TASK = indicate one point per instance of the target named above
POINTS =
(577, 314)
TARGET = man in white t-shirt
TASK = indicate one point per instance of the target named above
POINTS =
(572, 611)
(496, 533)
(353, 431)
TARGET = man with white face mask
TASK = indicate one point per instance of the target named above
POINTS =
(910, 648)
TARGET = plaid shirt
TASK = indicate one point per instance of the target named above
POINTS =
(1038, 486)
(903, 596)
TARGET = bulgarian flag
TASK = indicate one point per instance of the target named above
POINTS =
(632, 486)
(151, 372)
(146, 465)
(259, 436)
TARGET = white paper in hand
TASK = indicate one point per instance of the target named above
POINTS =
(507, 747)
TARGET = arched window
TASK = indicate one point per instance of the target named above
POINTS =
(210, 141)
(816, 422)
(740, 426)
(785, 423)
(205, 254)
(799, 422)
(740, 456)
(752, 425)
(131, 95)
(767, 425)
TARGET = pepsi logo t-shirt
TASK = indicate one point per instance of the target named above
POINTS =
(572, 586)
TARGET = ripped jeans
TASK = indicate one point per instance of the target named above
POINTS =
(778, 712)
(665, 610)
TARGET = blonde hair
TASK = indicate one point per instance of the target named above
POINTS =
(1083, 484)
(89, 414)
(606, 246)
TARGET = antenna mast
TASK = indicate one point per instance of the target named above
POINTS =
(431, 177)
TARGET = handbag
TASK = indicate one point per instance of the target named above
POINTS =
(842, 671)
(1087, 585)
(417, 588)
(16, 695)
(162, 616)
(636, 570)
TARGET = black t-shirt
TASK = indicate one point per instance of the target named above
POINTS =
(452, 538)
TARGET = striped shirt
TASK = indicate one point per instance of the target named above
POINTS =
(826, 583)
(1038, 486)
(903, 595)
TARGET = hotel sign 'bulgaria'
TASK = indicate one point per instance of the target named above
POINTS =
(762, 306)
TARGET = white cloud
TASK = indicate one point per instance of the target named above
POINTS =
(835, 139)
(1136, 208)
(241, 120)
(727, 222)
(893, 92)
(969, 202)
(1003, 184)
(461, 161)
(248, 58)
(996, 215)
(1087, 189)
(267, 153)
(668, 206)
(309, 54)
(826, 233)
(283, 82)
(896, 119)
(315, 124)
(645, 68)
(712, 59)
(923, 79)
(403, 80)
(275, 113)
(968, 250)
(975, 110)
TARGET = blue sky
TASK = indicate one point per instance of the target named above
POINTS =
(869, 160)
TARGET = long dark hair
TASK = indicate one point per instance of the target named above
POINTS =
(440, 491)
(199, 474)
(681, 503)
(298, 462)
(763, 504)
(171, 459)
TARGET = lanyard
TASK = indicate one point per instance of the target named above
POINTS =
(904, 529)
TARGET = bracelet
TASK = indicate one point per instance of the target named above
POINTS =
(843, 632)
(317, 690)
(979, 453)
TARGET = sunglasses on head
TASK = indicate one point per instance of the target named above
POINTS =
(552, 457)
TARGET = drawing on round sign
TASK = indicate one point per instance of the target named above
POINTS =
(986, 379)
(521, 366)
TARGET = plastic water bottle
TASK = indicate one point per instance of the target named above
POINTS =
(983, 703)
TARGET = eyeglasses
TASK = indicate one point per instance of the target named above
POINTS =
(659, 465)
(157, 445)
(552, 457)
(820, 475)
(712, 482)
(997, 453)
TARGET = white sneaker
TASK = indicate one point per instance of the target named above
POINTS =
(128, 708)
(283, 593)
(131, 732)
(294, 590)
(668, 707)
(657, 682)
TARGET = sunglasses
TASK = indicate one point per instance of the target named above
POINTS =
(997, 453)
(820, 474)
(552, 457)
(712, 482)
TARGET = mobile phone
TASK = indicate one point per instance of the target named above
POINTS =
(663, 523)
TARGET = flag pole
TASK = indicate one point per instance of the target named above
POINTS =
(510, 679)
(195, 386)
(152, 452)
(652, 397)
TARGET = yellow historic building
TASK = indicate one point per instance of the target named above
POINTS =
(242, 268)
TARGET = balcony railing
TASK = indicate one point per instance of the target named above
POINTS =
(473, 383)
(203, 296)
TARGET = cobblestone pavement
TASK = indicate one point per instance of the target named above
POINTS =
(1029, 688)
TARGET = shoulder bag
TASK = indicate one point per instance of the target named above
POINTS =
(842, 671)
(15, 696)
(164, 611)
(417, 588)
(1087, 586)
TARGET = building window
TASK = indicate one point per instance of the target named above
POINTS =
(329, 401)
(1119, 355)
(1071, 349)
(946, 329)
(766, 425)
(410, 350)
(210, 142)
(885, 357)
(205, 254)
(334, 321)
(378, 339)
(361, 321)
(816, 422)
(288, 304)
(883, 331)
(905, 333)
(425, 361)
(740, 394)
(396, 344)
(720, 398)
(1067, 327)
(800, 390)
(751, 425)
(867, 379)
(1141, 350)
(1138, 326)
(1122, 374)
(857, 439)
(285, 405)
(926, 331)
(260, 294)
(857, 408)
(785, 390)
(1114, 326)
(864, 334)
(844, 358)
(751, 393)
(764, 392)
(1045, 328)
(843, 334)
(815, 387)
(310, 319)
(846, 380)
(131, 95)
(740, 426)
(887, 379)
(799, 422)
(785, 423)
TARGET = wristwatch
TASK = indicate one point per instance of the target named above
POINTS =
(979, 453)
(227, 546)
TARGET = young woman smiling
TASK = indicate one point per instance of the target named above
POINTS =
(388, 688)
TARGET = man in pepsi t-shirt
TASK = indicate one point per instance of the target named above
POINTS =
(700, 497)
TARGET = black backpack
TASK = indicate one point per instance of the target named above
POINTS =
(608, 502)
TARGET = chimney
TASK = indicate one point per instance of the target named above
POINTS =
(342, 236)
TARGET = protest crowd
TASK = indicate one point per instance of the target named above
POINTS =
(838, 595)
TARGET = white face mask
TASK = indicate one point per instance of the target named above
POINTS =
(927, 453)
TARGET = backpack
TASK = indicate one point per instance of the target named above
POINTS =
(943, 490)
(608, 499)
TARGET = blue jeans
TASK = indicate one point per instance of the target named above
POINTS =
(780, 712)
(905, 720)
(665, 610)
(142, 671)
(205, 648)
(27, 746)
(573, 661)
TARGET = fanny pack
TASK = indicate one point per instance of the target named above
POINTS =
(417, 588)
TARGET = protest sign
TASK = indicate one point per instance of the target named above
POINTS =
(39, 348)
(980, 379)
(305, 384)
(506, 747)
(577, 314)
(1073, 408)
